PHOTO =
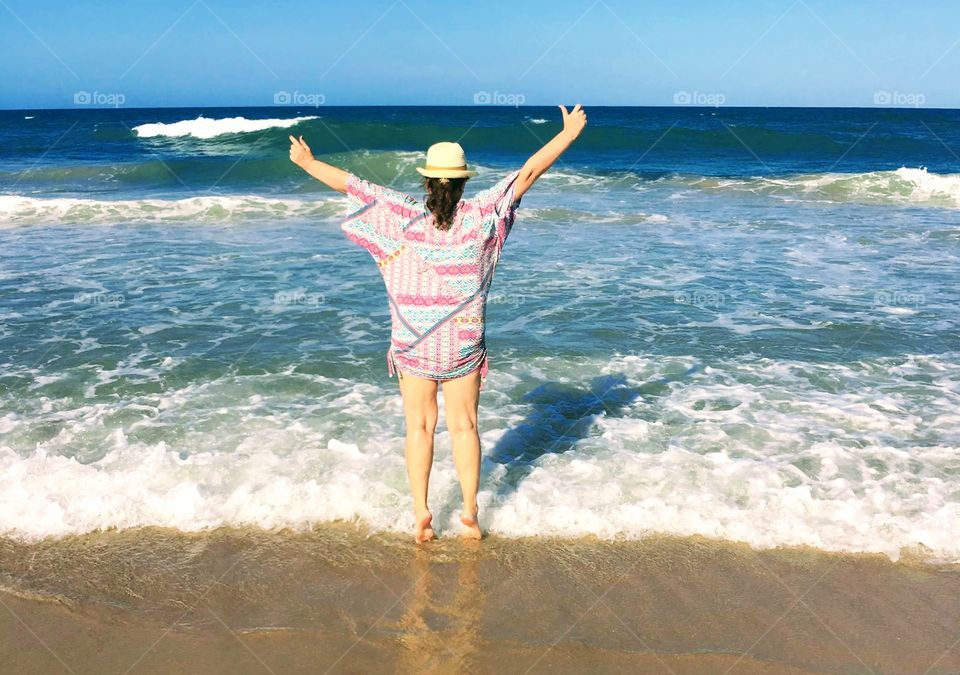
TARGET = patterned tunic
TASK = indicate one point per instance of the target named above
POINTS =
(437, 281)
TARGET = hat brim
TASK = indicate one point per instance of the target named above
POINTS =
(445, 173)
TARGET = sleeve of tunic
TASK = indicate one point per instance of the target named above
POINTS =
(379, 216)
(498, 206)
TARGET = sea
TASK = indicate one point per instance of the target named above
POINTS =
(740, 323)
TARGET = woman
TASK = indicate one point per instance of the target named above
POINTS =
(437, 258)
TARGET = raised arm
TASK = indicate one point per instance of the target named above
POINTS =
(573, 123)
(332, 176)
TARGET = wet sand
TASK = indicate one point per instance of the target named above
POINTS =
(340, 600)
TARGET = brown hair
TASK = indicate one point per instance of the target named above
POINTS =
(443, 198)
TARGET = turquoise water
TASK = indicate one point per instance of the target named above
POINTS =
(685, 335)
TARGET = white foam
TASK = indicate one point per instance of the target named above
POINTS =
(930, 186)
(22, 210)
(683, 490)
(903, 186)
(744, 450)
(203, 127)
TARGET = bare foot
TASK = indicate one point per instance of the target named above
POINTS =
(424, 532)
(473, 527)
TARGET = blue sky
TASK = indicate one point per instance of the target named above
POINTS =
(611, 52)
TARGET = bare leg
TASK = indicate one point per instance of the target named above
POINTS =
(420, 410)
(461, 398)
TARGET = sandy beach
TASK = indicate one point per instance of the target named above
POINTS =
(339, 599)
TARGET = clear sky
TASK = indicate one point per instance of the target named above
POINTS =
(379, 52)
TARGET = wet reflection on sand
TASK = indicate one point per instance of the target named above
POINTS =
(339, 600)
(440, 628)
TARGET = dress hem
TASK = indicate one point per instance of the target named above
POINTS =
(394, 369)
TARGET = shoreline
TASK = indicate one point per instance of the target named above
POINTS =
(341, 599)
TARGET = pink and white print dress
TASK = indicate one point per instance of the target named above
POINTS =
(437, 281)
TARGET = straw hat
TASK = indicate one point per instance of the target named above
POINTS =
(445, 160)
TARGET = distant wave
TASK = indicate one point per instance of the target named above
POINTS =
(20, 210)
(916, 186)
(209, 128)
(903, 186)
(198, 165)
(624, 216)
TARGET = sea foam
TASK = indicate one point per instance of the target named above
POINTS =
(904, 186)
(203, 127)
(744, 450)
(23, 210)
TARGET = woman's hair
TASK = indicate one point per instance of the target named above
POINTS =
(443, 195)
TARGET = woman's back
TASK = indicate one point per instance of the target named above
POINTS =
(437, 280)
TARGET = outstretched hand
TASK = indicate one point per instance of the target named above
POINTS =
(300, 153)
(574, 121)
